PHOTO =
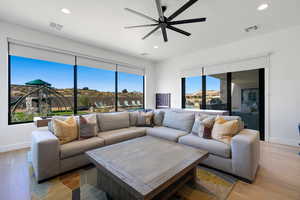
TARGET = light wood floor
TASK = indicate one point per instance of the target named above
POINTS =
(278, 177)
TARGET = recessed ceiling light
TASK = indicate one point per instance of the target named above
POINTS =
(155, 47)
(66, 11)
(262, 7)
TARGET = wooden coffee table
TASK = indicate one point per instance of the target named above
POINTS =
(145, 168)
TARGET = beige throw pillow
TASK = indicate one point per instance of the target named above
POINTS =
(65, 130)
(224, 130)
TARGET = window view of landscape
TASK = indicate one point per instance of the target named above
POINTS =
(43, 88)
(130, 94)
(95, 90)
(39, 88)
(216, 92)
(193, 92)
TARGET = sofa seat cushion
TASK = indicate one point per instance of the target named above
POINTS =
(80, 146)
(166, 133)
(212, 146)
(119, 135)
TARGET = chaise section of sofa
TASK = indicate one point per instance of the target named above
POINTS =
(45, 152)
(240, 158)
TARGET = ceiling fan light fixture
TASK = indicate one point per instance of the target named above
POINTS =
(166, 23)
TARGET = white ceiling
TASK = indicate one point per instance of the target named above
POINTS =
(101, 22)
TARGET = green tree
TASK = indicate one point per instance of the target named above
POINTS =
(84, 100)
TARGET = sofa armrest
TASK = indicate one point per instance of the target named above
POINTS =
(245, 153)
(45, 150)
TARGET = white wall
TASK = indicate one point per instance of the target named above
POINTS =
(284, 76)
(18, 136)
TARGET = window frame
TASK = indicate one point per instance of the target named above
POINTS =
(75, 91)
(204, 85)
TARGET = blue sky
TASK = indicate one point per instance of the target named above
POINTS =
(194, 84)
(61, 75)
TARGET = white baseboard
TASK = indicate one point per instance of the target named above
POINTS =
(12, 147)
(289, 142)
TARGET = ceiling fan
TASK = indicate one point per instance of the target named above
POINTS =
(163, 22)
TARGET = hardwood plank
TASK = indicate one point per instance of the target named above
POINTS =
(278, 175)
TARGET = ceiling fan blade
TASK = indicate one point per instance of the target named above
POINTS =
(164, 32)
(182, 9)
(178, 30)
(159, 9)
(140, 26)
(151, 32)
(140, 14)
(187, 21)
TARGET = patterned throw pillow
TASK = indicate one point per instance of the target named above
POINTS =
(87, 126)
(65, 130)
(158, 117)
(145, 119)
(224, 130)
(203, 125)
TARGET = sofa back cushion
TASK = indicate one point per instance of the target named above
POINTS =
(179, 120)
(112, 121)
(133, 116)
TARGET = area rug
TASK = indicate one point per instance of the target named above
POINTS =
(81, 185)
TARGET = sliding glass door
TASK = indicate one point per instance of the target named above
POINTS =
(240, 93)
(247, 91)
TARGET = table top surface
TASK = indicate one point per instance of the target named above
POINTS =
(146, 163)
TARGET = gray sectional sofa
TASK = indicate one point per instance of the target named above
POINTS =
(49, 158)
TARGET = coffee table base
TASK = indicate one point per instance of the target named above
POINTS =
(116, 191)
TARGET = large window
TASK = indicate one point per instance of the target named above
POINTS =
(130, 91)
(96, 90)
(39, 88)
(45, 83)
(193, 92)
